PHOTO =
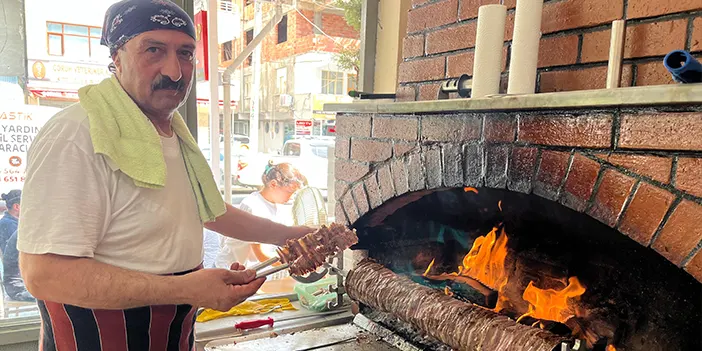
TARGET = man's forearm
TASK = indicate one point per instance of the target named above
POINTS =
(87, 283)
(245, 226)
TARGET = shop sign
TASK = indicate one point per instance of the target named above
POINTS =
(303, 127)
(72, 73)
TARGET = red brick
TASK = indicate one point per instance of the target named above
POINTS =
(648, 8)
(645, 213)
(421, 70)
(387, 191)
(401, 128)
(428, 92)
(655, 167)
(415, 172)
(339, 215)
(460, 64)
(552, 171)
(399, 176)
(581, 79)
(451, 39)
(500, 128)
(350, 208)
(696, 42)
(569, 14)
(413, 45)
(521, 169)
(580, 182)
(468, 9)
(342, 147)
(581, 131)
(445, 128)
(652, 73)
(400, 149)
(359, 194)
(689, 175)
(496, 166)
(434, 15)
(349, 171)
(432, 164)
(694, 267)
(353, 125)
(596, 46)
(370, 150)
(373, 190)
(681, 233)
(611, 195)
(558, 51)
(405, 93)
(682, 131)
(655, 39)
(509, 27)
(473, 159)
(452, 165)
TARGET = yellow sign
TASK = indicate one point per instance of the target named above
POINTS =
(39, 70)
(318, 102)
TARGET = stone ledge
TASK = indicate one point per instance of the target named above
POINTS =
(621, 97)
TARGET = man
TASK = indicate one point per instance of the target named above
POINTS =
(8, 222)
(11, 278)
(116, 198)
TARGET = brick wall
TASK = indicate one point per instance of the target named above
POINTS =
(302, 37)
(634, 170)
(574, 48)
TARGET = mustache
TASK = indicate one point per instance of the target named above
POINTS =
(166, 83)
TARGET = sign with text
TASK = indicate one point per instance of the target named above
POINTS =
(19, 126)
(73, 73)
(201, 52)
(303, 127)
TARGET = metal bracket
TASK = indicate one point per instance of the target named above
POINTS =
(461, 85)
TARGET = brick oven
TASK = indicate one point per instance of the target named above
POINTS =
(565, 219)
(599, 185)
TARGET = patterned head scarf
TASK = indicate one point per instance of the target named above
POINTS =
(128, 18)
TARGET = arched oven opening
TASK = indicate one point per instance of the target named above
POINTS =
(536, 261)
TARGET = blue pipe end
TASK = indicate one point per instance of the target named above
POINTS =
(683, 67)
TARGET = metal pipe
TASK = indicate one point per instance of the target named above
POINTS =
(683, 67)
(461, 85)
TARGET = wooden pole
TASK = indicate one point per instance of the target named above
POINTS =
(616, 54)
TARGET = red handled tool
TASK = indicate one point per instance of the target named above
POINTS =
(257, 323)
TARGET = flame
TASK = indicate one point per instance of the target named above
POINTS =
(499, 205)
(448, 291)
(486, 260)
(429, 267)
(611, 348)
(551, 304)
(471, 190)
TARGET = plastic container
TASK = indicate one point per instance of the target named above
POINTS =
(314, 296)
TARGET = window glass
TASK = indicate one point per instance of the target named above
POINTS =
(76, 46)
(75, 30)
(95, 32)
(55, 47)
(97, 50)
(320, 150)
(332, 82)
(54, 27)
(292, 149)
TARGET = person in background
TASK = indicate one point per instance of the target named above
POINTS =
(11, 278)
(8, 222)
(279, 184)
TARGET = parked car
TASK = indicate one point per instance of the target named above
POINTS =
(235, 165)
(309, 155)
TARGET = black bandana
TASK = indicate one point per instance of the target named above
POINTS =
(128, 18)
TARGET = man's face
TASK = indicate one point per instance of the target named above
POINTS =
(156, 69)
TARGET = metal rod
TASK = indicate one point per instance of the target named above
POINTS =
(272, 270)
(265, 263)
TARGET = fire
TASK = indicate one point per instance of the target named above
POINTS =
(429, 268)
(486, 260)
(551, 304)
(470, 190)
(499, 205)
(448, 291)
(611, 348)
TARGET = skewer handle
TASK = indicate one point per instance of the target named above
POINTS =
(272, 270)
(265, 263)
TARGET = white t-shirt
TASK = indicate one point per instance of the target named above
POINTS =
(233, 250)
(78, 203)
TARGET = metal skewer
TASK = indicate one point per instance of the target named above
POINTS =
(264, 264)
(268, 272)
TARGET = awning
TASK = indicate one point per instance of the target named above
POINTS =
(71, 95)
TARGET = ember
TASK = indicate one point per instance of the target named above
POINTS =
(429, 268)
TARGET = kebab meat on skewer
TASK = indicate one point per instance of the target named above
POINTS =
(308, 253)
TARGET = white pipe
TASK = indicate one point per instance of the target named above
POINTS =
(490, 37)
(213, 67)
(525, 47)
(256, 86)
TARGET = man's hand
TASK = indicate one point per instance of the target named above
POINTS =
(222, 289)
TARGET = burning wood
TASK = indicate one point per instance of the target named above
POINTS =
(461, 325)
